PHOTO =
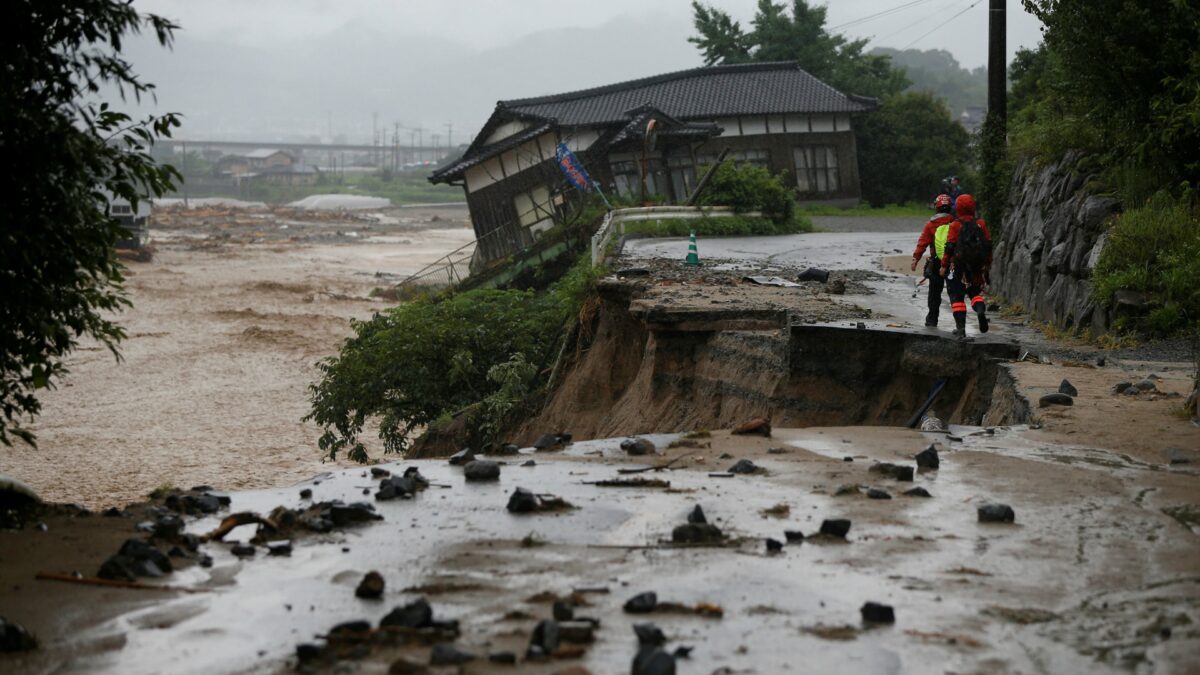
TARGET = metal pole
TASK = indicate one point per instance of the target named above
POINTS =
(997, 68)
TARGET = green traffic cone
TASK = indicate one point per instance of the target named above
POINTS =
(693, 258)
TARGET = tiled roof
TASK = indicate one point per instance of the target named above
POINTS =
(454, 170)
(700, 93)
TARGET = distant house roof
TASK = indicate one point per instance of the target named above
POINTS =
(700, 94)
(263, 153)
(709, 92)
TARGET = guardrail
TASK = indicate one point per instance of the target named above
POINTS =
(614, 222)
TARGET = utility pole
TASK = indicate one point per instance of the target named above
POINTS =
(450, 136)
(395, 145)
(995, 127)
(997, 68)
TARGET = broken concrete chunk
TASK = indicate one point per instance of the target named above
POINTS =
(482, 470)
(898, 471)
(835, 527)
(744, 466)
(1065, 387)
(917, 492)
(814, 274)
(996, 513)
(1055, 399)
(874, 493)
(416, 614)
(642, 603)
(638, 446)
(371, 586)
(874, 612)
(928, 458)
(696, 533)
(697, 516)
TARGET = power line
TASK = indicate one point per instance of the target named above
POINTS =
(940, 25)
(922, 20)
(876, 15)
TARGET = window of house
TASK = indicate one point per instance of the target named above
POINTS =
(628, 177)
(534, 207)
(683, 176)
(817, 168)
(121, 209)
(756, 156)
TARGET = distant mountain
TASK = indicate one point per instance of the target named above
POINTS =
(290, 91)
(937, 71)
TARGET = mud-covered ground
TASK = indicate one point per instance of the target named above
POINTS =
(228, 320)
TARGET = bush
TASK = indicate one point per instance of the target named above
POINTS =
(1154, 249)
(418, 362)
(746, 187)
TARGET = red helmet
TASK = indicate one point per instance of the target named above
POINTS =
(964, 206)
(942, 202)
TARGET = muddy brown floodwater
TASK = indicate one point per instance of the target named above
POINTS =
(228, 320)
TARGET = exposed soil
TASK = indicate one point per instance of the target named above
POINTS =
(228, 321)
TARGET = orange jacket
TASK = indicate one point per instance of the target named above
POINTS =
(927, 235)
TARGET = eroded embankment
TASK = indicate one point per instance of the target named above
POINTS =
(636, 369)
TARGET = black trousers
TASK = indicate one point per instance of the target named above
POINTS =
(936, 284)
(961, 284)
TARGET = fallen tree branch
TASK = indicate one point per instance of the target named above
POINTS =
(656, 467)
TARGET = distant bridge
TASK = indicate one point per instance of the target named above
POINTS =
(174, 143)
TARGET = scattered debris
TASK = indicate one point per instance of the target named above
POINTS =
(14, 637)
(897, 471)
(814, 274)
(874, 493)
(917, 492)
(874, 612)
(697, 533)
(136, 558)
(845, 489)
(481, 470)
(696, 516)
(462, 457)
(839, 633)
(793, 536)
(638, 446)
(745, 466)
(1055, 399)
(371, 586)
(996, 513)
(928, 458)
(1021, 615)
(524, 501)
(1065, 387)
(780, 510)
(774, 546)
(631, 482)
(777, 451)
(444, 654)
(760, 426)
(835, 527)
(642, 603)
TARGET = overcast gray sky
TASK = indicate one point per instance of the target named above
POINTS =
(243, 68)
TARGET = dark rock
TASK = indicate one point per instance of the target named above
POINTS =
(1065, 387)
(638, 446)
(154, 563)
(860, 325)
(1180, 456)
(1131, 391)
(874, 612)
(996, 513)
(847, 458)
(371, 587)
(280, 548)
(835, 527)
(1145, 385)
(529, 462)
(545, 636)
(547, 442)
(836, 287)
(564, 437)
(1101, 361)
(416, 614)
(309, 651)
(306, 493)
(633, 272)
(653, 661)
(243, 550)
(642, 603)
(379, 472)
(358, 512)
(774, 545)
(917, 492)
(509, 449)
(649, 635)
(845, 489)
(119, 568)
(873, 493)
(503, 658)
(696, 533)
(403, 666)
(481, 470)
(318, 525)
(176, 552)
(1055, 399)
(898, 471)
(413, 474)
(696, 517)
(523, 501)
(743, 466)
(168, 527)
(574, 632)
(814, 274)
(396, 487)
(445, 654)
(928, 458)
(683, 652)
(112, 512)
(350, 629)
(777, 451)
(462, 457)
(793, 536)
(1120, 387)
(563, 610)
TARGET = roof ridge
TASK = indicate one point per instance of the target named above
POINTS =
(654, 79)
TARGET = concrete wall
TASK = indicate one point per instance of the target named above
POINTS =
(1051, 241)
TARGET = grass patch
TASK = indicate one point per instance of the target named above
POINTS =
(1154, 250)
(909, 210)
(717, 226)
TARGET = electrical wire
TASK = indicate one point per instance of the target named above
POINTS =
(876, 15)
(927, 17)
(940, 25)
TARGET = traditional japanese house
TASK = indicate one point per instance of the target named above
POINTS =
(658, 132)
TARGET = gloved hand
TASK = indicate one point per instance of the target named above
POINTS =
(914, 265)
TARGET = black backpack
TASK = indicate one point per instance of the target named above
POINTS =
(972, 248)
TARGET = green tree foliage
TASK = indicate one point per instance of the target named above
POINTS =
(800, 35)
(61, 153)
(747, 187)
(908, 146)
(413, 364)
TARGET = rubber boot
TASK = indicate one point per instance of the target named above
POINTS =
(931, 319)
(960, 325)
(981, 310)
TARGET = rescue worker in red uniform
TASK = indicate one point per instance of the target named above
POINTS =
(933, 237)
(966, 264)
